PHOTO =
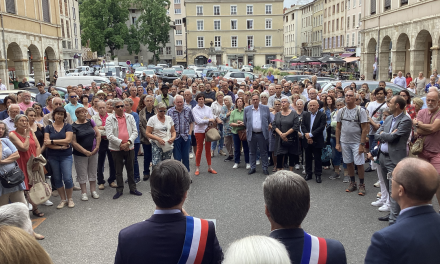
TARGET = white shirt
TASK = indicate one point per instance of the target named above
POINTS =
(201, 118)
(10, 124)
(2, 87)
(256, 120)
(312, 120)
(413, 207)
(167, 211)
(305, 94)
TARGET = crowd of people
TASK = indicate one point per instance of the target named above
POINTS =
(292, 126)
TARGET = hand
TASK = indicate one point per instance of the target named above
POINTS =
(415, 121)
(270, 126)
(171, 140)
(307, 136)
(361, 149)
(338, 147)
(395, 130)
(300, 135)
(95, 151)
(369, 156)
(161, 141)
(309, 141)
(47, 142)
(88, 153)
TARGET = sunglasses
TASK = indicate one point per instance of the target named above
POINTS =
(119, 106)
(162, 111)
(73, 96)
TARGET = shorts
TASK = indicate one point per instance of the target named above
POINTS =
(193, 140)
(350, 153)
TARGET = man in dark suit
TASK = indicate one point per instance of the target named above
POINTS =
(256, 119)
(415, 237)
(312, 126)
(393, 136)
(287, 199)
(162, 237)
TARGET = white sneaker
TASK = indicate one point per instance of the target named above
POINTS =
(304, 172)
(384, 208)
(378, 203)
(48, 203)
(258, 162)
(84, 197)
(248, 166)
(191, 155)
(30, 206)
(95, 195)
(297, 167)
(235, 166)
(377, 184)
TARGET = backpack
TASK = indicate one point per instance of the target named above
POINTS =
(358, 116)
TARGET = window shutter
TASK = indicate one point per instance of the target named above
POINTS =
(387, 3)
(403, 2)
(10, 6)
(373, 7)
(46, 14)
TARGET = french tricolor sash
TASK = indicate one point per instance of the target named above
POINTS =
(314, 250)
(195, 241)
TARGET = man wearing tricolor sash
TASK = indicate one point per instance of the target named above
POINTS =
(287, 199)
(170, 235)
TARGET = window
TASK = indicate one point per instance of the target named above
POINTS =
(250, 24)
(233, 24)
(233, 9)
(348, 39)
(268, 41)
(168, 50)
(133, 20)
(348, 22)
(268, 23)
(354, 21)
(250, 42)
(73, 12)
(179, 52)
(373, 7)
(352, 39)
(359, 22)
(354, 3)
(333, 9)
(325, 29)
(199, 10)
(200, 42)
(67, 29)
(333, 25)
(342, 41)
(342, 23)
(293, 16)
(216, 10)
(348, 4)
(342, 6)
(61, 7)
(387, 4)
(177, 1)
(217, 42)
(325, 12)
(160, 51)
(45, 7)
(66, 8)
(199, 25)
(359, 38)
(178, 32)
(249, 10)
(10, 6)
(74, 29)
(337, 8)
(216, 24)
(178, 11)
(178, 42)
(234, 41)
(178, 21)
(337, 24)
(268, 9)
(62, 28)
(76, 43)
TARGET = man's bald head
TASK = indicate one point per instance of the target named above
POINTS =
(313, 106)
(419, 179)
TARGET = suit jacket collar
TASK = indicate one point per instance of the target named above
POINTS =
(287, 233)
(166, 218)
(416, 211)
(317, 117)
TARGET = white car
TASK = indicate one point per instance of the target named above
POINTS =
(267, 66)
(191, 67)
(246, 68)
(139, 70)
(240, 76)
(148, 73)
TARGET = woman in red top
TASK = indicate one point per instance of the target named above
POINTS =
(408, 79)
(27, 144)
(410, 109)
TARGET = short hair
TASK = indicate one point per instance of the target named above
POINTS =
(128, 100)
(287, 198)
(161, 105)
(239, 99)
(5, 100)
(287, 98)
(16, 214)
(266, 95)
(37, 104)
(30, 109)
(219, 93)
(340, 101)
(378, 89)
(200, 95)
(179, 96)
(383, 82)
(169, 182)
(79, 110)
(228, 98)
(59, 109)
(17, 117)
(299, 101)
(116, 101)
(6, 133)
(13, 105)
(418, 101)
(257, 250)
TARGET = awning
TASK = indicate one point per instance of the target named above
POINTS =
(344, 55)
(351, 59)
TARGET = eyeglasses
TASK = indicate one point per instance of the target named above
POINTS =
(349, 95)
(119, 106)
(161, 111)
(73, 96)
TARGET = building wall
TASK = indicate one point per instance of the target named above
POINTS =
(30, 42)
(334, 27)
(71, 33)
(318, 21)
(306, 28)
(352, 33)
(243, 52)
(180, 32)
(292, 32)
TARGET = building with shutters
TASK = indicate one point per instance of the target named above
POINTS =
(405, 33)
(334, 27)
(177, 14)
(317, 23)
(234, 32)
(71, 34)
(306, 28)
(292, 32)
(352, 32)
(30, 39)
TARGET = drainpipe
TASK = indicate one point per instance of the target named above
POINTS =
(4, 49)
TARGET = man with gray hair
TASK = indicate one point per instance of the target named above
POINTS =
(313, 95)
(287, 202)
(13, 111)
(278, 95)
(128, 105)
(27, 101)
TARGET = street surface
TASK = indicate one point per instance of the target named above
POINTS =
(88, 233)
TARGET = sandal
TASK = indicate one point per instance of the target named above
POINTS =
(38, 236)
(37, 213)
(274, 168)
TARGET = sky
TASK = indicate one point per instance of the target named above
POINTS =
(288, 3)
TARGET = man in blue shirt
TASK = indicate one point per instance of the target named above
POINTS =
(270, 77)
(73, 105)
(42, 96)
(400, 80)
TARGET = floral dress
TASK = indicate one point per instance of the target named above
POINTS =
(225, 119)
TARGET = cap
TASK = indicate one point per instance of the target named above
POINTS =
(101, 92)
(40, 84)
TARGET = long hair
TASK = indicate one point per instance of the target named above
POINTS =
(332, 107)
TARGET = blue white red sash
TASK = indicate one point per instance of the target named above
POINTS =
(314, 250)
(195, 241)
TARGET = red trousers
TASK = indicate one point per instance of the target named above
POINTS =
(200, 137)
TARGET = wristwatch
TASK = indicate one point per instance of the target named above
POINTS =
(417, 124)
(362, 144)
(129, 142)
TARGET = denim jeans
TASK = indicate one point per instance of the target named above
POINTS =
(62, 171)
(147, 158)
(181, 151)
(221, 141)
(237, 148)
(137, 146)
(336, 155)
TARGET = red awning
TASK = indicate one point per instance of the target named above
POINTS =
(344, 55)
(351, 59)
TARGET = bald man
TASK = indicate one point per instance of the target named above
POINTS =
(415, 237)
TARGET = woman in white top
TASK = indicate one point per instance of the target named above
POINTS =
(93, 110)
(202, 117)
(160, 130)
(420, 83)
(216, 107)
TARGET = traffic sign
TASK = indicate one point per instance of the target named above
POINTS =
(209, 61)
(128, 62)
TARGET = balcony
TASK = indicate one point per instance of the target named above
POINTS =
(250, 49)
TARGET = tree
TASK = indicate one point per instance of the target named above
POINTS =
(153, 24)
(132, 41)
(103, 23)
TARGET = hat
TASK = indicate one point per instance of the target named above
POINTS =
(101, 92)
(40, 84)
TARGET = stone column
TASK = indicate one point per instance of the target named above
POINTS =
(21, 69)
(435, 57)
(417, 61)
(4, 73)
(368, 59)
(382, 72)
(39, 72)
(398, 59)
(53, 66)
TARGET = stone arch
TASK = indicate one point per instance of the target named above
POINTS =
(200, 59)
(370, 58)
(17, 66)
(384, 58)
(50, 61)
(422, 53)
(401, 54)
(35, 63)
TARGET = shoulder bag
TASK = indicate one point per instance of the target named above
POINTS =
(12, 178)
(211, 133)
(242, 134)
(417, 147)
(40, 191)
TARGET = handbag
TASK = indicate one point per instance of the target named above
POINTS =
(289, 143)
(40, 192)
(417, 147)
(242, 134)
(13, 177)
(211, 133)
(326, 154)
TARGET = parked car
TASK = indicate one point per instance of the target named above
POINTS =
(84, 80)
(240, 76)
(139, 70)
(247, 68)
(296, 78)
(163, 65)
(199, 71)
(157, 70)
(214, 74)
(191, 67)
(169, 75)
(151, 66)
(266, 66)
(190, 73)
(372, 85)
(179, 68)
(149, 72)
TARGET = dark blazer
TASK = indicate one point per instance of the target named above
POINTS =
(414, 238)
(293, 240)
(160, 240)
(265, 120)
(396, 141)
(317, 129)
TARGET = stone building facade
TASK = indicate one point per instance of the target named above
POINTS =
(318, 21)
(334, 27)
(292, 32)
(402, 33)
(30, 40)
(306, 28)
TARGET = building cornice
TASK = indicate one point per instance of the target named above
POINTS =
(233, 2)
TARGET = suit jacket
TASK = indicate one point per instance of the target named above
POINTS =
(160, 239)
(265, 120)
(293, 240)
(396, 141)
(317, 128)
(414, 238)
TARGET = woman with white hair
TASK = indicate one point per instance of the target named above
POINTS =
(17, 214)
(264, 98)
(240, 93)
(227, 134)
(256, 250)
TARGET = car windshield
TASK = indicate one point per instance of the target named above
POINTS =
(189, 72)
(149, 72)
(200, 69)
(205, 71)
(140, 69)
(176, 67)
(169, 71)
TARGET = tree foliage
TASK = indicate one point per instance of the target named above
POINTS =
(153, 25)
(103, 23)
(133, 42)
